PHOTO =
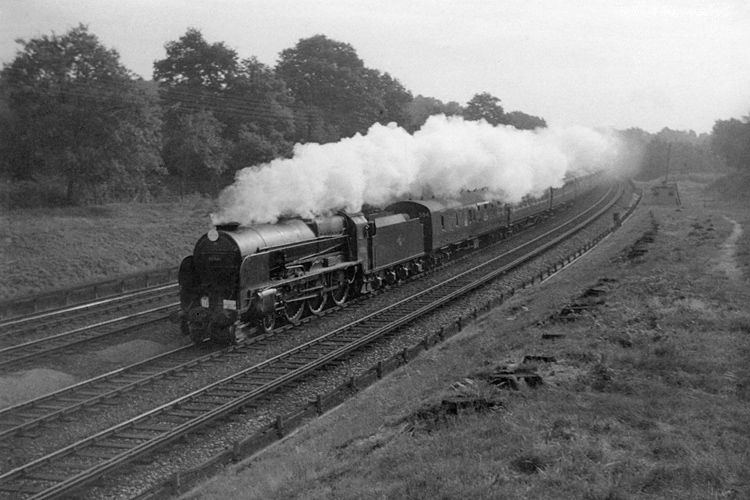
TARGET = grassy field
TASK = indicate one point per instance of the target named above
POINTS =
(44, 249)
(648, 395)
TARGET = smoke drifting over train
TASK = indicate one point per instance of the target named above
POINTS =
(445, 157)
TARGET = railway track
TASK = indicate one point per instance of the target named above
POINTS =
(36, 323)
(44, 410)
(25, 341)
(23, 352)
(82, 462)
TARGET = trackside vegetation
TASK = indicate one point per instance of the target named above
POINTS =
(50, 248)
(78, 128)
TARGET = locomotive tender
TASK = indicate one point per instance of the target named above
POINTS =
(258, 274)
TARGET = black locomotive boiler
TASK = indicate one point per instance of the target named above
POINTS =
(264, 273)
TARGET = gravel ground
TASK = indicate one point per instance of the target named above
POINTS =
(201, 447)
(215, 440)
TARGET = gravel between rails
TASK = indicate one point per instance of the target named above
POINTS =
(201, 446)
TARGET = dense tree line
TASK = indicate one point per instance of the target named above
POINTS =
(670, 152)
(77, 125)
(75, 114)
(730, 139)
(487, 107)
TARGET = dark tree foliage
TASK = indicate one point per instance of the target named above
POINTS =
(423, 107)
(263, 108)
(192, 62)
(195, 152)
(325, 78)
(192, 80)
(688, 137)
(486, 107)
(731, 141)
(636, 142)
(522, 121)
(335, 94)
(666, 153)
(250, 104)
(253, 148)
(393, 99)
(79, 116)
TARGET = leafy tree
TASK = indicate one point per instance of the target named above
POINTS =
(668, 135)
(486, 107)
(421, 108)
(634, 154)
(392, 98)
(250, 104)
(731, 141)
(333, 90)
(253, 148)
(194, 63)
(667, 152)
(522, 121)
(261, 106)
(636, 136)
(80, 116)
(193, 79)
(195, 152)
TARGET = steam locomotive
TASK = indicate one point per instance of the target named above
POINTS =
(265, 273)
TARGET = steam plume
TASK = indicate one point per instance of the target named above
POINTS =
(446, 156)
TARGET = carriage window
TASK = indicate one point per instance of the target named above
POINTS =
(442, 222)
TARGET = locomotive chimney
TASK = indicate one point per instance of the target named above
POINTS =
(229, 226)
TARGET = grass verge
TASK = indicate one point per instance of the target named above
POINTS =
(46, 249)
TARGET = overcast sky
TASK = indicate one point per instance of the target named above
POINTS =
(623, 63)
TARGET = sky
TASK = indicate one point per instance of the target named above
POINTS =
(651, 64)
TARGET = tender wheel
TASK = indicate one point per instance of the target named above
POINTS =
(340, 294)
(317, 304)
(267, 323)
(390, 277)
(293, 311)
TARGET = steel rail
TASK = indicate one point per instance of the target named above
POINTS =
(15, 412)
(82, 307)
(46, 345)
(49, 407)
(264, 386)
(23, 411)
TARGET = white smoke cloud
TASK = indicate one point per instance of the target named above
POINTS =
(446, 156)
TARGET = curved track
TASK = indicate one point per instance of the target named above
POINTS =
(80, 463)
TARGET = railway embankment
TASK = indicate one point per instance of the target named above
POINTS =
(624, 376)
(58, 248)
